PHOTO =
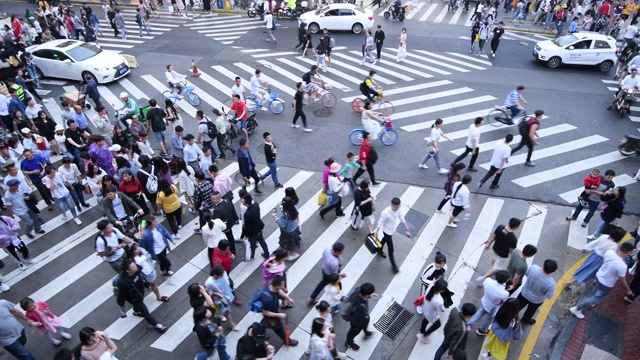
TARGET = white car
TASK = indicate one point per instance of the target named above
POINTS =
(73, 59)
(338, 17)
(582, 48)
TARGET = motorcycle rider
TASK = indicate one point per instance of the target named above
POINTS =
(128, 109)
(630, 82)
(626, 55)
(396, 8)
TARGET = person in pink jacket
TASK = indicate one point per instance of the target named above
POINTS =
(45, 322)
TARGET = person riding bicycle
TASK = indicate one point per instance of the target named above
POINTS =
(370, 88)
(258, 90)
(175, 80)
(371, 121)
(128, 109)
(630, 82)
(513, 101)
(311, 79)
(118, 207)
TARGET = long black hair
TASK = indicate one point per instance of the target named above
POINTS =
(182, 166)
(289, 208)
(165, 187)
(438, 287)
(107, 178)
(160, 164)
(507, 312)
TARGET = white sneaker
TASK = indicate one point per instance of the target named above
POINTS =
(292, 257)
(29, 261)
(179, 226)
(56, 342)
(486, 355)
(4, 287)
(341, 355)
(374, 62)
(362, 62)
(577, 313)
(77, 221)
(177, 236)
(591, 237)
(452, 225)
(22, 267)
(295, 126)
(307, 130)
(440, 211)
(456, 220)
(443, 171)
(65, 335)
(479, 281)
(64, 217)
(263, 108)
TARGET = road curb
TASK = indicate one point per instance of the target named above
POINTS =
(122, 5)
(542, 32)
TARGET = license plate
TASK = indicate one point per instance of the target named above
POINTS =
(535, 52)
(123, 70)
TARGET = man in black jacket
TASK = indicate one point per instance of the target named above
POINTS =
(223, 210)
(252, 227)
(246, 164)
(455, 330)
(131, 288)
(270, 156)
(378, 37)
(359, 314)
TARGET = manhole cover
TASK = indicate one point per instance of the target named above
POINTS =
(260, 148)
(394, 320)
(604, 332)
(323, 113)
(415, 220)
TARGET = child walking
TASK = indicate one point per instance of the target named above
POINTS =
(349, 169)
(45, 322)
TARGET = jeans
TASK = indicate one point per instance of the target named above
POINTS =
(478, 316)
(270, 35)
(66, 203)
(492, 171)
(273, 171)
(467, 151)
(481, 44)
(514, 111)
(599, 228)
(447, 341)
(31, 220)
(222, 353)
(531, 308)
(159, 135)
(18, 350)
(436, 158)
(258, 239)
(368, 55)
(593, 206)
(526, 141)
(387, 239)
(96, 29)
(77, 194)
(324, 282)
(32, 72)
(598, 295)
(548, 20)
(123, 32)
(321, 61)
(144, 26)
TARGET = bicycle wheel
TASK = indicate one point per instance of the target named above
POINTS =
(329, 100)
(356, 105)
(251, 126)
(166, 95)
(276, 106)
(388, 137)
(250, 98)
(227, 139)
(497, 117)
(193, 99)
(355, 137)
(385, 107)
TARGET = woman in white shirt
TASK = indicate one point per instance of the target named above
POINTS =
(186, 180)
(402, 45)
(212, 233)
(370, 120)
(71, 175)
(58, 187)
(174, 79)
(432, 307)
(318, 346)
(32, 110)
(333, 192)
(433, 150)
(143, 259)
(460, 200)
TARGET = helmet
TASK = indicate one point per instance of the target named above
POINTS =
(123, 95)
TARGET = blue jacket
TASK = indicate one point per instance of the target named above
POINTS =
(512, 332)
(16, 104)
(92, 89)
(245, 162)
(147, 240)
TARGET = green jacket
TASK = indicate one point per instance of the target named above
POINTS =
(348, 169)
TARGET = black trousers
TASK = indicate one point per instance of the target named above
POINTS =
(254, 241)
(446, 198)
(300, 114)
(531, 308)
(423, 327)
(44, 192)
(378, 49)
(337, 206)
(526, 141)
(254, 175)
(22, 248)
(175, 219)
(232, 241)
(354, 330)
(141, 308)
(221, 145)
(370, 170)
(494, 45)
(163, 261)
(467, 151)
(324, 282)
(387, 239)
(492, 171)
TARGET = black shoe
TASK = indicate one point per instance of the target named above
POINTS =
(340, 215)
(321, 216)
(353, 346)
(494, 186)
(472, 169)
(258, 190)
(279, 185)
(382, 254)
(529, 321)
(374, 183)
(41, 232)
(30, 235)
(86, 205)
(396, 270)
(609, 107)
(367, 334)
(79, 208)
(137, 313)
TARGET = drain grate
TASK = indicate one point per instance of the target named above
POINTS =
(394, 320)
(604, 332)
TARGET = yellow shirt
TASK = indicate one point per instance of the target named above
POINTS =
(169, 203)
(628, 8)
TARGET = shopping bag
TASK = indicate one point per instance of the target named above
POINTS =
(356, 218)
(323, 199)
(373, 244)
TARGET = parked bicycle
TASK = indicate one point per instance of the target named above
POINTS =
(387, 135)
(188, 92)
(274, 103)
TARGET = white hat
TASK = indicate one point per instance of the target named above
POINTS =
(115, 147)
(335, 167)
(123, 95)
(59, 127)
(25, 130)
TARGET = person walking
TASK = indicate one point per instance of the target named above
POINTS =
(604, 185)
(517, 266)
(504, 241)
(73, 179)
(221, 127)
(11, 242)
(367, 48)
(499, 160)
(539, 286)
(378, 37)
(270, 23)
(33, 166)
(460, 201)
(388, 222)
(156, 116)
(363, 208)
(610, 214)
(494, 295)
(13, 338)
(167, 200)
(358, 313)
(613, 269)
(202, 197)
(402, 46)
(118, 20)
(330, 265)
(91, 90)
(289, 229)
(368, 156)
(270, 150)
(141, 256)
(504, 328)
(131, 287)
(432, 308)
(528, 132)
(297, 103)
(95, 344)
(269, 296)
(247, 166)
(223, 210)
(210, 334)
(15, 202)
(433, 149)
(452, 177)
(475, 37)
(46, 323)
(155, 240)
(58, 187)
(455, 331)
(252, 226)
(472, 145)
(335, 191)
(498, 31)
(483, 33)
(110, 244)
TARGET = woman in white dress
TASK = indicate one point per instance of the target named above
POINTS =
(402, 45)
(370, 120)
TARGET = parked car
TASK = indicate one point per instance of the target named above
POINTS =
(338, 17)
(582, 48)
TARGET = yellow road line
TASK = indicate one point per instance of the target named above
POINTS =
(527, 349)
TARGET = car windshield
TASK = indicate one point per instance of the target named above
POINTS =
(83, 52)
(565, 40)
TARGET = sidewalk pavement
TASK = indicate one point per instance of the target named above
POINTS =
(525, 25)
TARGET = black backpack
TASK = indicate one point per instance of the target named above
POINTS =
(524, 126)
(212, 131)
(206, 338)
(373, 156)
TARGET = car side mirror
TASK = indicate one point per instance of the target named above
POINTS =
(570, 48)
(67, 61)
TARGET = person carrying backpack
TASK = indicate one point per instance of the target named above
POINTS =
(210, 334)
(266, 301)
(357, 313)
(528, 131)
(130, 287)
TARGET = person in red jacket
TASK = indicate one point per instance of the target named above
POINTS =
(222, 256)
(368, 157)
(131, 186)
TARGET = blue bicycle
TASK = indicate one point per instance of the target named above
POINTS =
(274, 104)
(387, 135)
(191, 97)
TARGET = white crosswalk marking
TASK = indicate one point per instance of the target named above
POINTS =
(447, 106)
(441, 15)
(396, 65)
(325, 77)
(456, 16)
(471, 58)
(406, 89)
(415, 10)
(183, 104)
(429, 11)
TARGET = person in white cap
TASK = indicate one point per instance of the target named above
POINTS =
(36, 143)
(61, 140)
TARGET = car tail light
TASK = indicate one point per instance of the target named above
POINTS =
(370, 17)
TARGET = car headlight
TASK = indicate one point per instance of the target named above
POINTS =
(102, 69)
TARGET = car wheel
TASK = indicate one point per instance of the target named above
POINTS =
(554, 62)
(314, 28)
(86, 73)
(605, 66)
(357, 28)
(39, 73)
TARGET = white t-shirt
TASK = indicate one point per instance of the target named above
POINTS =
(158, 241)
(436, 134)
(71, 174)
(238, 90)
(474, 134)
(112, 241)
(612, 268)
(631, 32)
(431, 310)
(24, 187)
(60, 189)
(145, 262)
(502, 151)
(494, 294)
(255, 84)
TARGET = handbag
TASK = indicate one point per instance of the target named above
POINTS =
(332, 197)
(477, 38)
(323, 199)
(373, 244)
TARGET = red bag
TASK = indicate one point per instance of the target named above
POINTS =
(40, 143)
(419, 301)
